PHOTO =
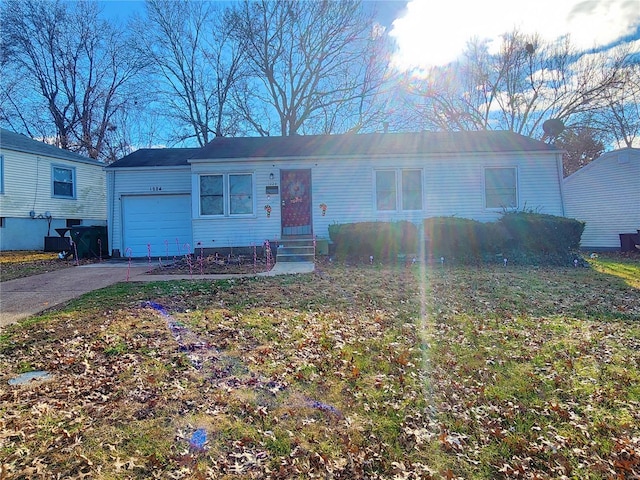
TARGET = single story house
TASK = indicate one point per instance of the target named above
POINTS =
(605, 194)
(239, 192)
(42, 188)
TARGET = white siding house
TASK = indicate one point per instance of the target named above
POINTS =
(605, 194)
(243, 191)
(42, 188)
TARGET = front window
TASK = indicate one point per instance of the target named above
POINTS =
(63, 181)
(211, 195)
(398, 187)
(386, 190)
(240, 194)
(226, 194)
(500, 188)
(412, 190)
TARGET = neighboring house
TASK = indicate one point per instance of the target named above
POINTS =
(605, 194)
(42, 188)
(238, 192)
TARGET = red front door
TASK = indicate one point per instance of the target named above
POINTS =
(296, 202)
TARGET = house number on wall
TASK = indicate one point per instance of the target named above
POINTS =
(155, 189)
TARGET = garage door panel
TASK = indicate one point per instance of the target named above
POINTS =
(162, 222)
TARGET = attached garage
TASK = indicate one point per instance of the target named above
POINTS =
(159, 225)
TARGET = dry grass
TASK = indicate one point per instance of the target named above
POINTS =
(360, 372)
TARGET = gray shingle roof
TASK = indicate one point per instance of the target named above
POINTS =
(369, 144)
(318, 146)
(156, 157)
(21, 143)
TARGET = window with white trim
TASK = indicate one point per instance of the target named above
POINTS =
(501, 187)
(227, 194)
(63, 181)
(399, 189)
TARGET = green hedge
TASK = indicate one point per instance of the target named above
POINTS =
(383, 240)
(522, 237)
(536, 232)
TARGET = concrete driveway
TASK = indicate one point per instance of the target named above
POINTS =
(28, 296)
(24, 297)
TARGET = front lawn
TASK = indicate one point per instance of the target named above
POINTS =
(350, 372)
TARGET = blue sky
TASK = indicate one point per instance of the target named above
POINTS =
(434, 32)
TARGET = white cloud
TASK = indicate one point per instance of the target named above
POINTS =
(435, 32)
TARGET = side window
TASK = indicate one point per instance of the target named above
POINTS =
(63, 181)
(501, 188)
(211, 195)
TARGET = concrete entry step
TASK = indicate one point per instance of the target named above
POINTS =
(296, 249)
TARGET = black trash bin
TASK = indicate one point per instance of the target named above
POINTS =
(628, 242)
(90, 241)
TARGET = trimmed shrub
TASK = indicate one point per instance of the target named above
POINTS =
(383, 240)
(522, 237)
(462, 238)
(541, 233)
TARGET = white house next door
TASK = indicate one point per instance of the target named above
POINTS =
(156, 225)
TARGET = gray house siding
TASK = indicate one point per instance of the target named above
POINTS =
(452, 181)
(28, 192)
(605, 194)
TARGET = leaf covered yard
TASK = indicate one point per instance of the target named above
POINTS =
(350, 372)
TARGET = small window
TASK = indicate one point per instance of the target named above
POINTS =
(500, 188)
(2, 224)
(72, 222)
(240, 194)
(211, 195)
(63, 181)
(412, 190)
(386, 190)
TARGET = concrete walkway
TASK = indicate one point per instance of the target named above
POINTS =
(24, 297)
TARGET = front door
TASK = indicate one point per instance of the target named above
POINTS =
(296, 202)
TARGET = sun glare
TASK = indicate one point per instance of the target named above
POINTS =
(435, 33)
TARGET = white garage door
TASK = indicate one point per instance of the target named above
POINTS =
(161, 223)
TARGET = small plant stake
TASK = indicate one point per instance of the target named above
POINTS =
(505, 261)
(201, 258)
(442, 261)
(128, 252)
(187, 256)
(370, 259)
(99, 250)
(149, 255)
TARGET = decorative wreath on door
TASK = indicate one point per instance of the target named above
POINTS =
(296, 191)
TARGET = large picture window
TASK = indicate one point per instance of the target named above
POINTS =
(63, 180)
(500, 188)
(398, 188)
(226, 194)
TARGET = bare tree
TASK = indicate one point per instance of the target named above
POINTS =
(525, 83)
(312, 64)
(198, 64)
(73, 72)
(620, 115)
